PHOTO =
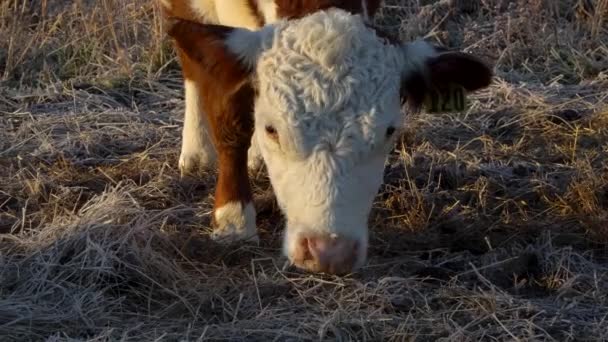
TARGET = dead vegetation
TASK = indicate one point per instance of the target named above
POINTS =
(491, 224)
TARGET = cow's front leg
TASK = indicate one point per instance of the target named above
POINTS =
(197, 146)
(234, 213)
(221, 89)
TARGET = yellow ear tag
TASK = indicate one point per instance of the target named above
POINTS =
(451, 98)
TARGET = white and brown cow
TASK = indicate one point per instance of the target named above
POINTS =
(310, 88)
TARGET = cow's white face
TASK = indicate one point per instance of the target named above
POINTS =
(325, 117)
(327, 109)
(327, 167)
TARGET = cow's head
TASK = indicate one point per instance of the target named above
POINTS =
(327, 110)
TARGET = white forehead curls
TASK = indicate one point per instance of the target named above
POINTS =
(326, 63)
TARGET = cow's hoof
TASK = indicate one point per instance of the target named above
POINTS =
(193, 159)
(230, 235)
(235, 223)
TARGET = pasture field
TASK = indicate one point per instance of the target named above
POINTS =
(491, 225)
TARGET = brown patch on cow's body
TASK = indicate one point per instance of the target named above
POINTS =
(292, 9)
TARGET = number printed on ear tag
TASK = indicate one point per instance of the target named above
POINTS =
(452, 98)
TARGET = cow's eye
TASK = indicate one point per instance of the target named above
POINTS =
(272, 133)
(389, 131)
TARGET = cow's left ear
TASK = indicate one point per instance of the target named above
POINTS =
(432, 68)
(225, 53)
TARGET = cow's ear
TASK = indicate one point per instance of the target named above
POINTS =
(226, 53)
(430, 68)
(459, 68)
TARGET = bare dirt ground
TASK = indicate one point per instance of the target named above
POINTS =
(492, 224)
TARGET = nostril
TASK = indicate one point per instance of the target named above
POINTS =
(321, 244)
(318, 249)
(303, 253)
(311, 244)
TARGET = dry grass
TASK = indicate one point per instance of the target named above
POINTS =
(491, 225)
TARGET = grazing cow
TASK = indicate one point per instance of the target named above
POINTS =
(314, 91)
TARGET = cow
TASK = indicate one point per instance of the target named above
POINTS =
(313, 91)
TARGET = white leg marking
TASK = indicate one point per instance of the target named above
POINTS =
(197, 146)
(235, 223)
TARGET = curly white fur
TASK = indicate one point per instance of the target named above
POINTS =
(330, 87)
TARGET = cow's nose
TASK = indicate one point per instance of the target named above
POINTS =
(326, 253)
